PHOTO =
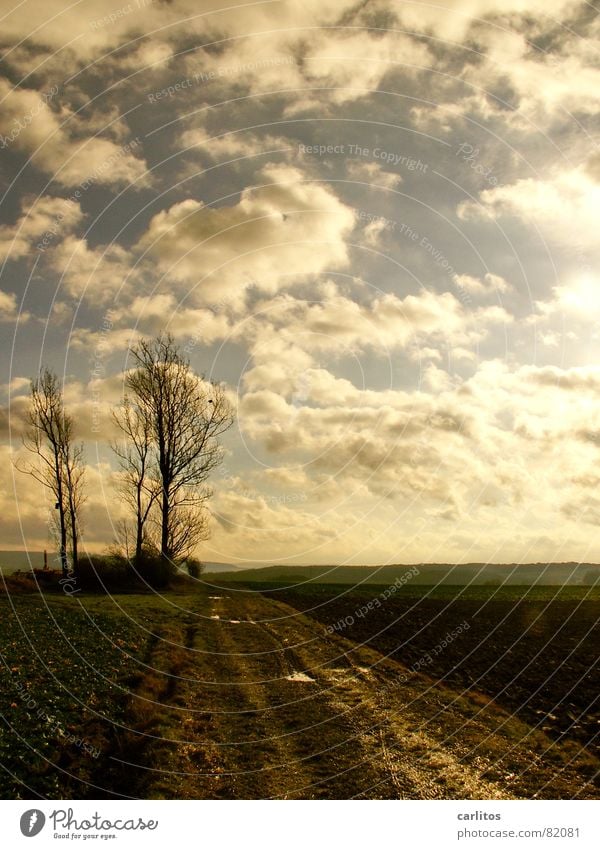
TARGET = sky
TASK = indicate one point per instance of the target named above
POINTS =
(375, 223)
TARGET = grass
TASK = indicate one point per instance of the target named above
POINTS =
(63, 664)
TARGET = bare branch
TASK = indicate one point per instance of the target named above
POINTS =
(60, 465)
(172, 420)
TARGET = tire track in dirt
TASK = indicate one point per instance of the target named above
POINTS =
(412, 764)
(434, 740)
(263, 742)
(273, 737)
(262, 703)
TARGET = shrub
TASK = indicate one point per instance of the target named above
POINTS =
(194, 567)
(18, 583)
(153, 570)
(101, 572)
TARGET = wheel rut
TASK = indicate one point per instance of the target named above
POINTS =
(263, 703)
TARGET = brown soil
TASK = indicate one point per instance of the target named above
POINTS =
(262, 703)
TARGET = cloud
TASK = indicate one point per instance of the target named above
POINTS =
(584, 380)
(38, 217)
(579, 299)
(231, 145)
(452, 19)
(282, 231)
(92, 28)
(92, 273)
(8, 306)
(373, 173)
(545, 86)
(593, 167)
(13, 418)
(312, 68)
(531, 69)
(490, 284)
(564, 207)
(152, 55)
(155, 314)
(355, 64)
(377, 420)
(336, 323)
(9, 309)
(475, 450)
(328, 65)
(58, 141)
(342, 454)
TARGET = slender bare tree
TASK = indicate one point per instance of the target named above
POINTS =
(185, 417)
(49, 434)
(140, 484)
(75, 490)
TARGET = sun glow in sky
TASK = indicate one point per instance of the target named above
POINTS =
(376, 223)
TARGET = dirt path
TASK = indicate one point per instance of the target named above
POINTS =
(259, 702)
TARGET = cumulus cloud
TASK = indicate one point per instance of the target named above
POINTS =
(337, 323)
(374, 174)
(353, 65)
(94, 27)
(282, 230)
(564, 207)
(13, 417)
(578, 299)
(313, 67)
(585, 379)
(231, 145)
(8, 306)
(9, 309)
(453, 19)
(92, 273)
(377, 419)
(154, 314)
(488, 285)
(493, 441)
(546, 86)
(57, 141)
(39, 217)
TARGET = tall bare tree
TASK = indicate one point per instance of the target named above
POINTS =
(49, 434)
(75, 482)
(185, 416)
(140, 484)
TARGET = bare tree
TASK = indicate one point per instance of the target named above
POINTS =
(75, 481)
(185, 416)
(188, 524)
(140, 484)
(49, 435)
(124, 543)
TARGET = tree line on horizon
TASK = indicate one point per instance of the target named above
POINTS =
(170, 421)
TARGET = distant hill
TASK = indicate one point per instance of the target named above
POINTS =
(215, 568)
(218, 568)
(17, 561)
(554, 574)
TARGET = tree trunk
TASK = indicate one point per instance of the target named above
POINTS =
(164, 530)
(139, 530)
(49, 435)
(75, 541)
(63, 545)
(61, 516)
(139, 539)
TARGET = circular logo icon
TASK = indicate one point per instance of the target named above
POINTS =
(32, 822)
